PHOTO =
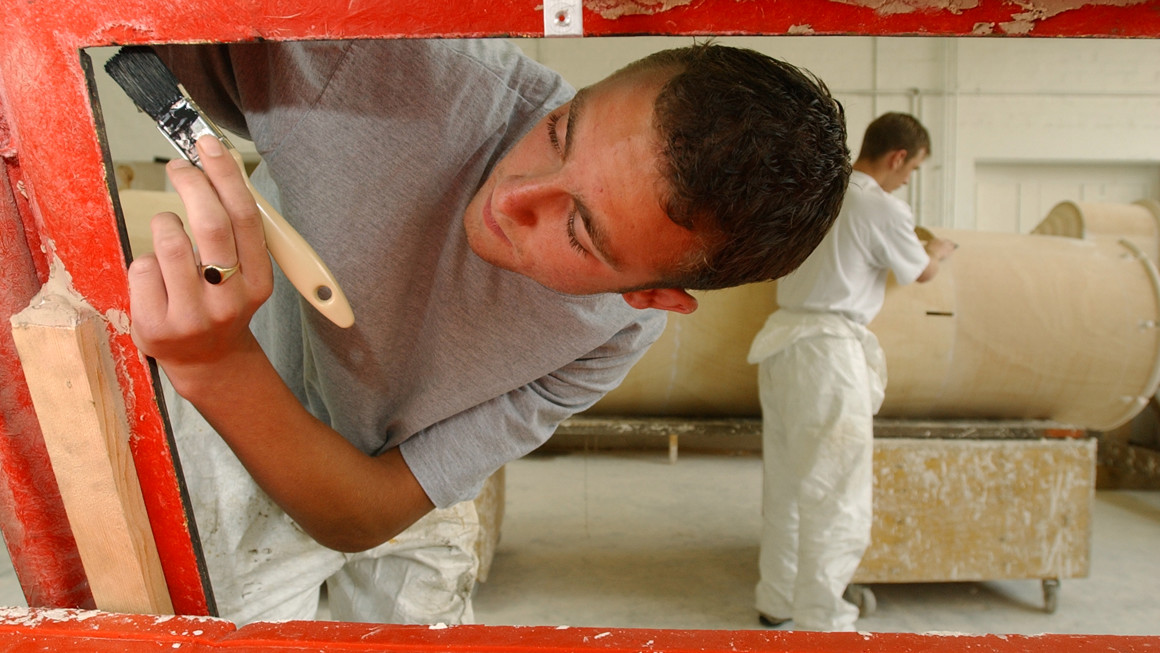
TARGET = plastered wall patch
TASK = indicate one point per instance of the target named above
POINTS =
(907, 6)
(613, 9)
(1023, 23)
(1037, 10)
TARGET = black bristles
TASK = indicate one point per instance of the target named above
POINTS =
(145, 78)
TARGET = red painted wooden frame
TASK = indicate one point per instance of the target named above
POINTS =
(68, 631)
(56, 211)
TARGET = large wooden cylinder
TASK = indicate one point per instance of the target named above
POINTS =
(698, 368)
(1138, 223)
(1060, 325)
(1014, 326)
(1026, 327)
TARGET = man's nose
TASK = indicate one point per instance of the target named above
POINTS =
(528, 199)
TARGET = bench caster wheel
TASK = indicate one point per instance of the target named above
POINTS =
(863, 597)
(1050, 595)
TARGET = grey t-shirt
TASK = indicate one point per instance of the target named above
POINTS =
(373, 150)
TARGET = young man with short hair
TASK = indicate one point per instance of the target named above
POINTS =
(821, 378)
(509, 251)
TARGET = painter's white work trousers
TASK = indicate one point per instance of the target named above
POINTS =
(263, 567)
(819, 392)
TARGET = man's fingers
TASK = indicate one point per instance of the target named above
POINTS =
(178, 311)
(148, 300)
(174, 256)
(209, 223)
(225, 172)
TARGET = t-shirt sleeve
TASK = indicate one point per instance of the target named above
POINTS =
(899, 249)
(453, 458)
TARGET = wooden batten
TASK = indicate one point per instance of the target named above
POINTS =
(63, 349)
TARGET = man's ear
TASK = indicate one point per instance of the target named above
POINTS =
(667, 299)
(897, 158)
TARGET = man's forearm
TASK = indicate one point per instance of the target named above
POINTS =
(938, 249)
(341, 497)
(198, 331)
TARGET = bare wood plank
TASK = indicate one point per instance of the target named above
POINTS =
(725, 427)
(658, 426)
(63, 350)
(974, 429)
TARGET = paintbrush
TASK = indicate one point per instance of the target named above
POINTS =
(153, 88)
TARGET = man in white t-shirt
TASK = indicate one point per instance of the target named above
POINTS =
(822, 377)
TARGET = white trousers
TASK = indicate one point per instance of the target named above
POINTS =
(263, 567)
(818, 410)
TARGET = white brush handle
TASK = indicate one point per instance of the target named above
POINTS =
(298, 260)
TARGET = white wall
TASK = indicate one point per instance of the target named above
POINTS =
(1046, 118)
(1017, 124)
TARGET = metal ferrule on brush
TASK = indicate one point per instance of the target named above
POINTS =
(182, 124)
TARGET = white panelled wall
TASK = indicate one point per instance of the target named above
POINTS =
(1017, 124)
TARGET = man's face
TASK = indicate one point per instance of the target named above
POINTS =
(900, 175)
(576, 205)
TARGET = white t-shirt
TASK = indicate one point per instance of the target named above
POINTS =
(846, 274)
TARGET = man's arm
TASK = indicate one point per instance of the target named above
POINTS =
(199, 334)
(453, 457)
(938, 249)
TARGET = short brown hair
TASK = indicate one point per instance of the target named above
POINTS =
(755, 160)
(891, 132)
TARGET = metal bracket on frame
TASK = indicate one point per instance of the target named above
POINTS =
(563, 18)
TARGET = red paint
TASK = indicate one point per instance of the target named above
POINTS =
(67, 631)
(48, 142)
(69, 217)
(64, 631)
(40, 544)
(833, 17)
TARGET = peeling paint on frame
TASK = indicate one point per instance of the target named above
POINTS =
(58, 160)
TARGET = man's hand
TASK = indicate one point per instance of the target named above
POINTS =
(188, 324)
(199, 333)
(940, 249)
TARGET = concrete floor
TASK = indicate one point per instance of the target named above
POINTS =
(630, 540)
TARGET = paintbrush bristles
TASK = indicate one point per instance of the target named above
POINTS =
(145, 78)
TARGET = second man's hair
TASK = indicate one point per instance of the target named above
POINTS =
(894, 131)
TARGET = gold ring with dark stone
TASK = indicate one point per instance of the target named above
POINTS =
(215, 274)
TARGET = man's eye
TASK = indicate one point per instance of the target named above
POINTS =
(572, 235)
(552, 137)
